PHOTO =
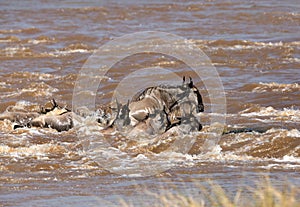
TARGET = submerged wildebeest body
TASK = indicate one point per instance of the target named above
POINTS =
(20, 119)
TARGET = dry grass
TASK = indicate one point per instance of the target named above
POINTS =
(264, 195)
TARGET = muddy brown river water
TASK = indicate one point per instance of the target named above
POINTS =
(254, 46)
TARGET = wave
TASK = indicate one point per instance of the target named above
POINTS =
(9, 39)
(30, 75)
(31, 30)
(35, 89)
(41, 39)
(17, 51)
(286, 114)
(243, 44)
(21, 50)
(274, 144)
(72, 48)
(37, 40)
(33, 150)
(271, 87)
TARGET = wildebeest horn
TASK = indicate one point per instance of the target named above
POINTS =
(118, 105)
(191, 84)
(54, 103)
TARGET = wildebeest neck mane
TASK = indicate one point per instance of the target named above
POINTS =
(162, 93)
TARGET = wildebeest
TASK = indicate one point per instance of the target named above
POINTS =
(180, 104)
(51, 115)
(55, 117)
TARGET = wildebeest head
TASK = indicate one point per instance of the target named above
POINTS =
(122, 117)
(53, 108)
(190, 93)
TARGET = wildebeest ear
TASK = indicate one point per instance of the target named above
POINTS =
(191, 84)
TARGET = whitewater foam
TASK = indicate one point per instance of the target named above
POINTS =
(289, 114)
(276, 87)
(41, 150)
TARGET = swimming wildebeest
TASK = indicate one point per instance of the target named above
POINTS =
(164, 106)
(50, 116)
(55, 117)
